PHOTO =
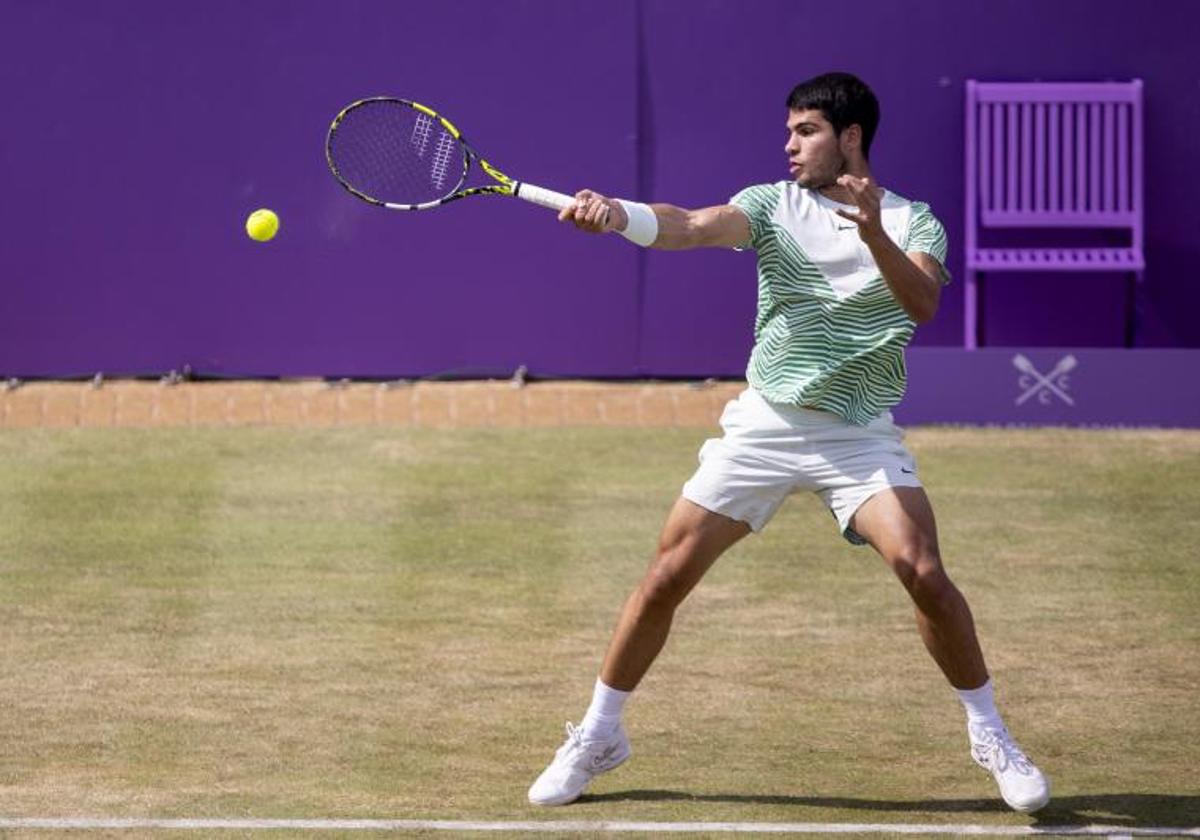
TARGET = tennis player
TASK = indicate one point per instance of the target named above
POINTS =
(846, 271)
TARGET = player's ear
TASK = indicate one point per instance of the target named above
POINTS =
(851, 138)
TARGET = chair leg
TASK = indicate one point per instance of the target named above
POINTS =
(1133, 315)
(971, 310)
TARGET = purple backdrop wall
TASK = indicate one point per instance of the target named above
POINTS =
(139, 134)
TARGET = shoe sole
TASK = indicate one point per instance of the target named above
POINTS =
(1022, 809)
(1029, 808)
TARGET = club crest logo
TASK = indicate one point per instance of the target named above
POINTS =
(1054, 385)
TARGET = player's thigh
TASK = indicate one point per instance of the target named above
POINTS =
(899, 523)
(691, 541)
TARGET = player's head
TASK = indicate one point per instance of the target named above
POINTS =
(831, 122)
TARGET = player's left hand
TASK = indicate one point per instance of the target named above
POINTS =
(869, 217)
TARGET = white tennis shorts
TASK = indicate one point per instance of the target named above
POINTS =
(770, 451)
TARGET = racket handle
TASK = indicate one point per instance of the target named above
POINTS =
(546, 198)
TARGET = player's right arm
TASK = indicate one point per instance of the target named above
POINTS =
(722, 226)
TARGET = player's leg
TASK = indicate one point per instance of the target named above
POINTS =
(899, 523)
(742, 479)
(691, 541)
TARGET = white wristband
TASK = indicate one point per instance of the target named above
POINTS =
(642, 227)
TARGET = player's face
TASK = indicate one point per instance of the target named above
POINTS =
(815, 157)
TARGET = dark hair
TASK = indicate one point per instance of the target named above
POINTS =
(843, 99)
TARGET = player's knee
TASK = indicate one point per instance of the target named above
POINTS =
(934, 591)
(660, 589)
(925, 579)
(663, 586)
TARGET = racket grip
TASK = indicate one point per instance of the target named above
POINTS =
(546, 198)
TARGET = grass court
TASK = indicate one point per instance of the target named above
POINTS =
(395, 623)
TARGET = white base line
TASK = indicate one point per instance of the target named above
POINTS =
(582, 826)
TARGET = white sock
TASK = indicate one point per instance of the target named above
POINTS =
(980, 704)
(604, 715)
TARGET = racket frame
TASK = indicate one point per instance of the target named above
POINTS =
(504, 186)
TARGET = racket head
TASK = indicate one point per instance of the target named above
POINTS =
(398, 154)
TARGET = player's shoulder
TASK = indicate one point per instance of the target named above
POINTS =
(894, 199)
(920, 213)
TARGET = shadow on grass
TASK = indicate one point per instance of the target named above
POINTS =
(1123, 809)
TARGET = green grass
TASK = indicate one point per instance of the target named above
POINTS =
(396, 623)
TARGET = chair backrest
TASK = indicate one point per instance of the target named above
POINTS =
(1061, 154)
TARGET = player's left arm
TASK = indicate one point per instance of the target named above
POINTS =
(915, 278)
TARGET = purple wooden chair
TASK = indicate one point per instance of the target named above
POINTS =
(1052, 155)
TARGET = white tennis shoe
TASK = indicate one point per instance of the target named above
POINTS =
(575, 764)
(1022, 785)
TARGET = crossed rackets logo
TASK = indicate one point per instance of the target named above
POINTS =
(1053, 384)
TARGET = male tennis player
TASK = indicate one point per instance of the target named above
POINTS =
(846, 270)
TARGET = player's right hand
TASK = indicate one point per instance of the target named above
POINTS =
(595, 213)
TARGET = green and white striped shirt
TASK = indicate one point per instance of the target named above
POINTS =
(829, 334)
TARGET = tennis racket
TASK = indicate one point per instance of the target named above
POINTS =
(404, 156)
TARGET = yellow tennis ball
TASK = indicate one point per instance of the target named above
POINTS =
(262, 225)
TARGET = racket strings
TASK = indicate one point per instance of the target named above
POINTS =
(392, 152)
(442, 157)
